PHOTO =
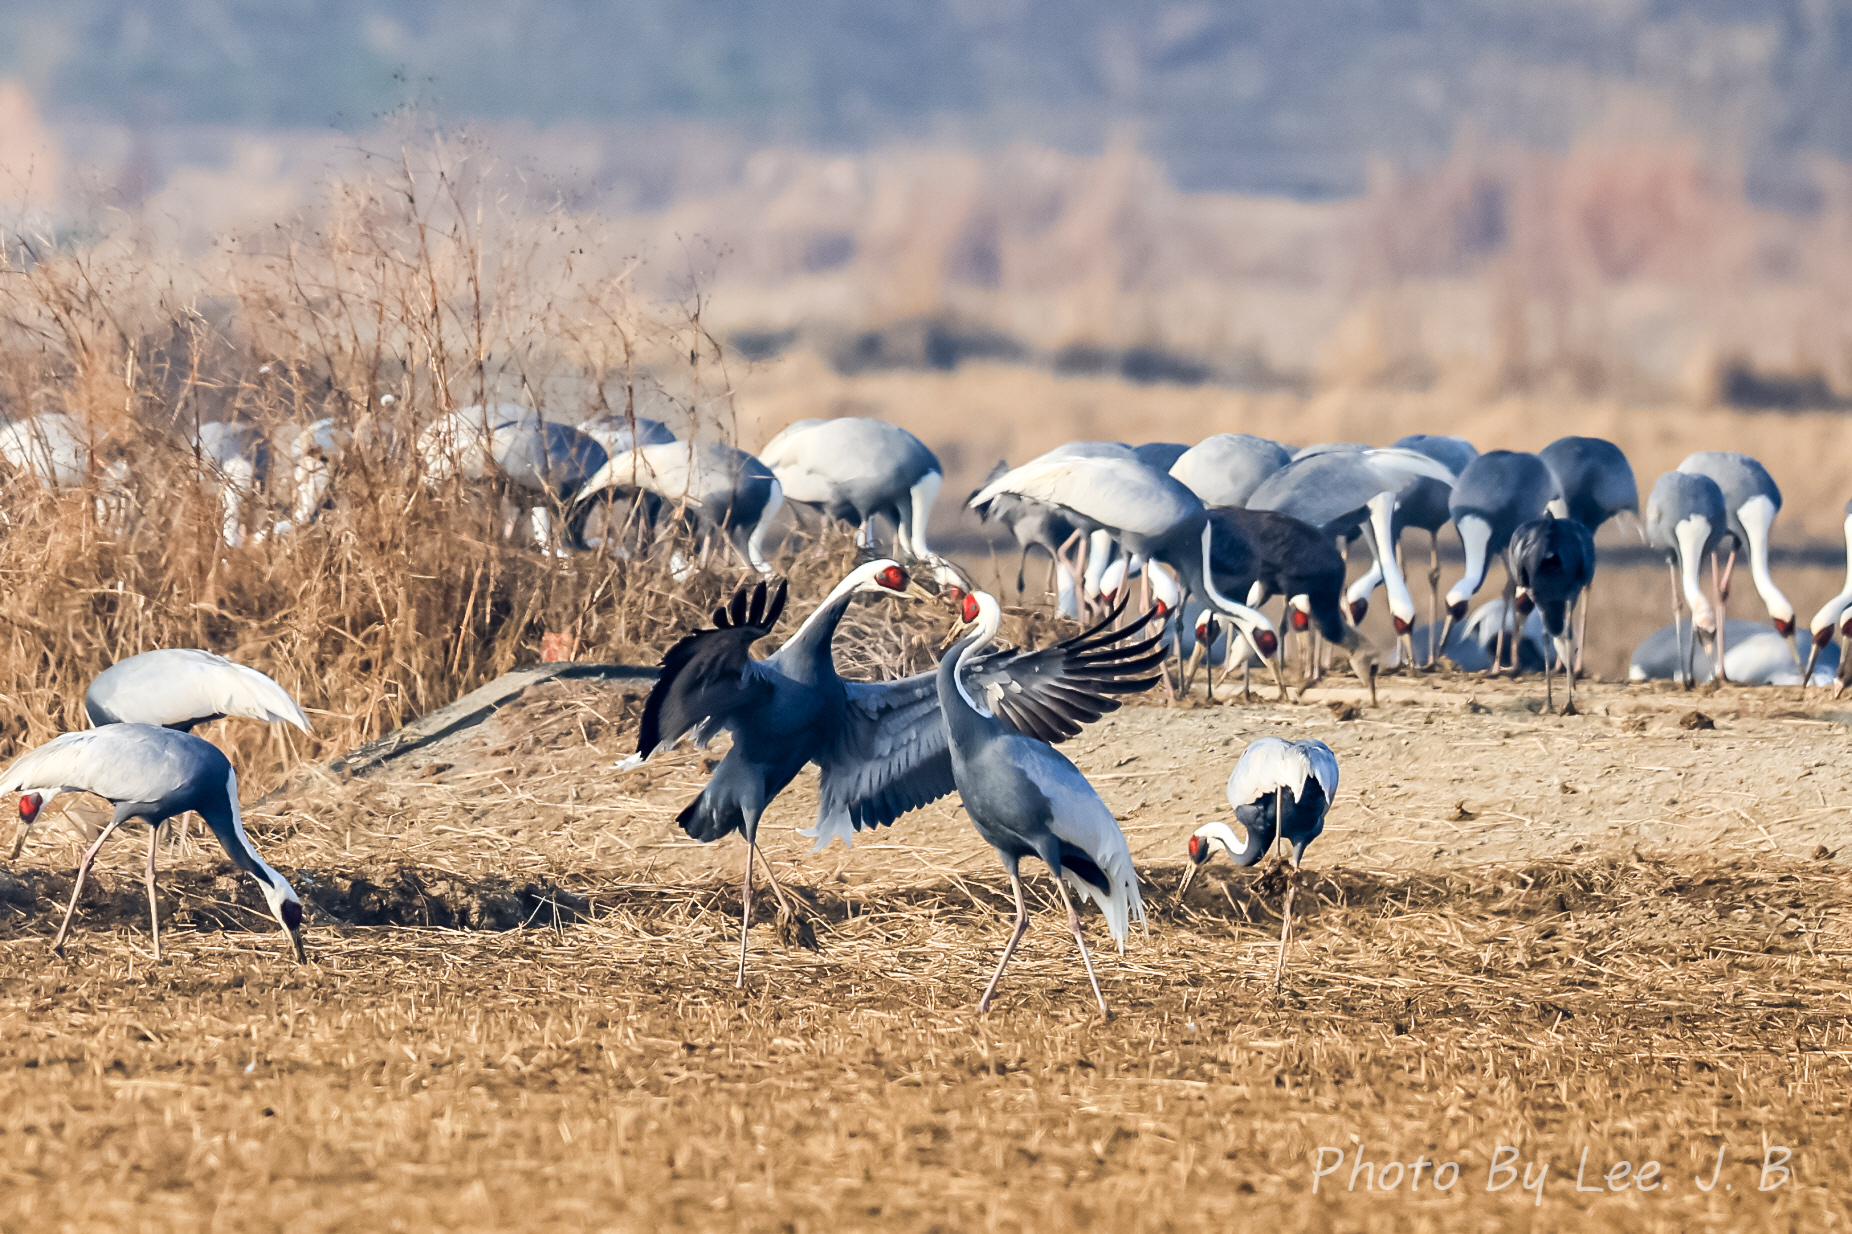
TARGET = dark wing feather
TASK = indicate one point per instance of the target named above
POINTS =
(710, 675)
(1050, 694)
(891, 755)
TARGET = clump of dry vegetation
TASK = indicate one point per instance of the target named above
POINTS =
(420, 289)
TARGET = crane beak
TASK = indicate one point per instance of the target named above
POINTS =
(957, 632)
(916, 592)
(1189, 876)
(19, 841)
(295, 940)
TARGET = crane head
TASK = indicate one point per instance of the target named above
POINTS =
(1204, 844)
(968, 608)
(887, 577)
(29, 806)
(1301, 620)
(1266, 642)
(1784, 626)
(1358, 608)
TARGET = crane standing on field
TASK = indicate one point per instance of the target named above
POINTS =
(1268, 771)
(152, 774)
(1027, 800)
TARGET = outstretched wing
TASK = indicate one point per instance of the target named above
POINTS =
(710, 675)
(1050, 694)
(891, 755)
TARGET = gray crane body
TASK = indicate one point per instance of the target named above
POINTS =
(1595, 477)
(153, 774)
(855, 470)
(1224, 470)
(180, 687)
(1751, 499)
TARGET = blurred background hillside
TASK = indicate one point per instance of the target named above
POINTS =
(1643, 204)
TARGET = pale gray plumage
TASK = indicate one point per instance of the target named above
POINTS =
(1025, 799)
(179, 687)
(1224, 470)
(714, 486)
(153, 774)
(855, 469)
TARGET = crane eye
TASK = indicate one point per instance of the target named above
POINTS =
(29, 805)
(970, 609)
(893, 578)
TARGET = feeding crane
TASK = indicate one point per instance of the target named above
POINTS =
(1498, 492)
(1831, 613)
(1685, 519)
(1152, 517)
(1346, 491)
(1027, 800)
(1268, 771)
(855, 470)
(1553, 560)
(153, 774)
(713, 486)
(1751, 499)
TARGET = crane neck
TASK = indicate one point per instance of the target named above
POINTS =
(966, 719)
(808, 655)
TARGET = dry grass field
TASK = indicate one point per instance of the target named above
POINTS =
(1607, 933)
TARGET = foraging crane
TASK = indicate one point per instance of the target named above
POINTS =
(178, 688)
(1027, 800)
(1685, 518)
(1153, 518)
(1553, 559)
(1427, 503)
(1824, 621)
(879, 746)
(542, 463)
(1751, 499)
(1348, 492)
(1224, 470)
(1035, 523)
(1597, 483)
(714, 486)
(59, 452)
(1296, 560)
(1498, 492)
(313, 451)
(618, 433)
(1758, 656)
(1269, 769)
(55, 448)
(153, 774)
(855, 470)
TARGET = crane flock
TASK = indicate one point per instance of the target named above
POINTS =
(1164, 554)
